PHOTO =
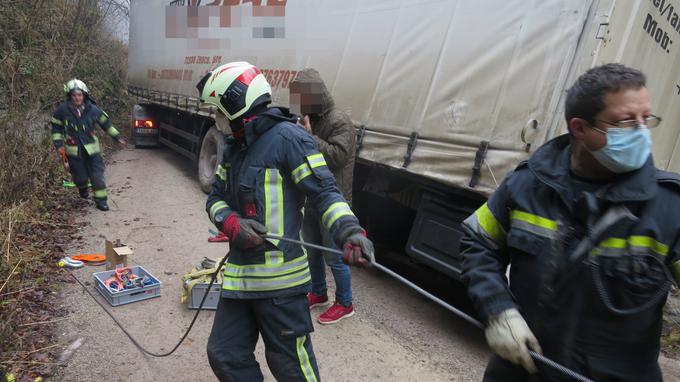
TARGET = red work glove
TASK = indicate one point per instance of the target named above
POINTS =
(243, 233)
(64, 159)
(358, 250)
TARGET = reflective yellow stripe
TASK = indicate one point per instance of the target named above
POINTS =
(648, 242)
(56, 121)
(335, 212)
(273, 206)
(103, 118)
(112, 131)
(71, 150)
(93, 148)
(216, 207)
(534, 220)
(635, 241)
(221, 173)
(57, 136)
(303, 356)
(265, 270)
(100, 193)
(614, 242)
(490, 225)
(301, 172)
(265, 284)
(316, 160)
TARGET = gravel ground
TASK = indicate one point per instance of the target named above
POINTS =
(157, 209)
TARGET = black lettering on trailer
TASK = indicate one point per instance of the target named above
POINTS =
(660, 36)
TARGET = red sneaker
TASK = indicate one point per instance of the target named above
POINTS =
(336, 313)
(315, 300)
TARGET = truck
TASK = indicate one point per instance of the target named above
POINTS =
(447, 96)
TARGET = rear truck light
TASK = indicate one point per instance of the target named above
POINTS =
(144, 124)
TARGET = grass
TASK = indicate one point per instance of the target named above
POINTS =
(43, 44)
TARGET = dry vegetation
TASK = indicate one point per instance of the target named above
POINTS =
(42, 45)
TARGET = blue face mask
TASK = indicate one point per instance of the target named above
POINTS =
(626, 149)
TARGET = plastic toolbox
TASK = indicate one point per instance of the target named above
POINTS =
(211, 301)
(128, 295)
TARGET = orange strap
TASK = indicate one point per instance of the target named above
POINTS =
(90, 257)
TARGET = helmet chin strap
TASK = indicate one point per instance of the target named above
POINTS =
(238, 127)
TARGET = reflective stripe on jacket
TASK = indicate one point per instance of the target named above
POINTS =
(72, 132)
(269, 180)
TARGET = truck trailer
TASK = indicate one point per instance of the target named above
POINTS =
(447, 96)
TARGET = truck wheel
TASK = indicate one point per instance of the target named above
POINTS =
(210, 155)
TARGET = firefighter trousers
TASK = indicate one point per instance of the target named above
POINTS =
(88, 168)
(283, 322)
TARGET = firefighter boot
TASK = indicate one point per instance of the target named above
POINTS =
(101, 204)
(84, 193)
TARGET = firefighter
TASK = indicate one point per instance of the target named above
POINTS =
(73, 134)
(269, 167)
(590, 229)
(335, 136)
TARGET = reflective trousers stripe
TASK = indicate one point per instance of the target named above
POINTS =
(56, 121)
(273, 205)
(57, 136)
(303, 356)
(335, 212)
(112, 131)
(301, 172)
(100, 193)
(266, 284)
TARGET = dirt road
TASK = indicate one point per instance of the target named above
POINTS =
(158, 209)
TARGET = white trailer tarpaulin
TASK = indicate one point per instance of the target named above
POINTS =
(455, 73)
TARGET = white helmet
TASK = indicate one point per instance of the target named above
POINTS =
(75, 84)
(235, 88)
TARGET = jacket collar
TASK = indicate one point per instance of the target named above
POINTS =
(551, 162)
(265, 121)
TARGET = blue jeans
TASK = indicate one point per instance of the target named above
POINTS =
(313, 232)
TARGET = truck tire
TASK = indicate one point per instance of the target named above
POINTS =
(212, 148)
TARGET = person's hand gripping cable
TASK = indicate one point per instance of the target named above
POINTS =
(243, 233)
(358, 250)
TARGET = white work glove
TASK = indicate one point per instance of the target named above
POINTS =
(509, 336)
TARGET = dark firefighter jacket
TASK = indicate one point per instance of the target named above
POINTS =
(74, 133)
(268, 179)
(334, 134)
(534, 221)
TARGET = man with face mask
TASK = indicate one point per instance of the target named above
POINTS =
(590, 229)
(335, 136)
(73, 134)
(269, 168)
